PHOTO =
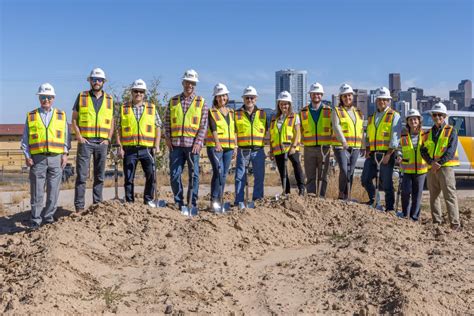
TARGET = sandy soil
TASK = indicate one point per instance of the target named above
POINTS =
(299, 256)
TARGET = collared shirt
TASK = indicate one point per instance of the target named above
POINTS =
(138, 111)
(183, 141)
(97, 102)
(46, 118)
(315, 113)
(450, 151)
(396, 128)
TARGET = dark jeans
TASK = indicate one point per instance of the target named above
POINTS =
(99, 154)
(412, 190)
(223, 159)
(295, 161)
(178, 157)
(386, 179)
(133, 155)
(346, 165)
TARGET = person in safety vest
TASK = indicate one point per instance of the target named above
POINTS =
(284, 141)
(221, 141)
(251, 128)
(382, 139)
(348, 128)
(316, 135)
(139, 139)
(185, 127)
(440, 152)
(413, 166)
(93, 124)
(45, 144)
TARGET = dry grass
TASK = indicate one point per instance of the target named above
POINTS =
(3, 210)
(16, 198)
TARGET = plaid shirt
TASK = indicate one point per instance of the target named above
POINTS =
(138, 111)
(187, 141)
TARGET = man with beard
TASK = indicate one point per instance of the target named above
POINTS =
(92, 121)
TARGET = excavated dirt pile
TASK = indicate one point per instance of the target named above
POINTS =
(299, 256)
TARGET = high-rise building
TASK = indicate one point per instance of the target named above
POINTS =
(410, 97)
(462, 95)
(394, 85)
(402, 107)
(335, 100)
(419, 92)
(235, 104)
(361, 100)
(295, 82)
(427, 102)
(371, 106)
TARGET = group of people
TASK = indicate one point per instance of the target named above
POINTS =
(188, 125)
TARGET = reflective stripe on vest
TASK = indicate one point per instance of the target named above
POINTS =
(281, 140)
(353, 132)
(185, 124)
(316, 134)
(412, 162)
(379, 136)
(94, 124)
(47, 139)
(437, 150)
(225, 132)
(250, 133)
(138, 133)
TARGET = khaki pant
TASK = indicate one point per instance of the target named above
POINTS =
(443, 180)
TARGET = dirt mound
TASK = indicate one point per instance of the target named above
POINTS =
(302, 255)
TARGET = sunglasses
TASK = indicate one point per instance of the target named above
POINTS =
(437, 114)
(138, 91)
(249, 98)
(46, 97)
(97, 79)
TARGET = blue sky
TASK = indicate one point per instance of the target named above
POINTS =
(430, 42)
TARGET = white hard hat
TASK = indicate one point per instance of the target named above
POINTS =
(190, 75)
(316, 88)
(96, 73)
(139, 84)
(439, 108)
(250, 91)
(46, 89)
(412, 113)
(382, 93)
(345, 89)
(285, 96)
(220, 89)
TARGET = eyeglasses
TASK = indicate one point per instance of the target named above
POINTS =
(437, 114)
(97, 80)
(138, 91)
(249, 98)
(46, 97)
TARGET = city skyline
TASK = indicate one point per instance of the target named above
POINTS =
(243, 48)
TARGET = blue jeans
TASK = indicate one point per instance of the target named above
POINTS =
(223, 159)
(133, 155)
(178, 157)
(257, 159)
(346, 175)
(386, 179)
(412, 191)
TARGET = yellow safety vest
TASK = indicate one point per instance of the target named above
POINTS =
(250, 133)
(138, 133)
(225, 132)
(379, 136)
(412, 162)
(436, 150)
(353, 131)
(316, 133)
(47, 139)
(94, 124)
(280, 140)
(185, 124)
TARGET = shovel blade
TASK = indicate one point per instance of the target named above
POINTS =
(250, 204)
(225, 207)
(185, 210)
(216, 207)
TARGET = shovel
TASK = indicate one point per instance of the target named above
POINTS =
(115, 157)
(378, 161)
(324, 153)
(399, 190)
(156, 202)
(283, 195)
(247, 203)
(189, 209)
(348, 152)
(219, 206)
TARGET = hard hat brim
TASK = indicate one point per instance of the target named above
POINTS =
(380, 97)
(190, 80)
(53, 94)
(220, 93)
(309, 92)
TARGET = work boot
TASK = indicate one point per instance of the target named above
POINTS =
(456, 227)
(33, 226)
(301, 191)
